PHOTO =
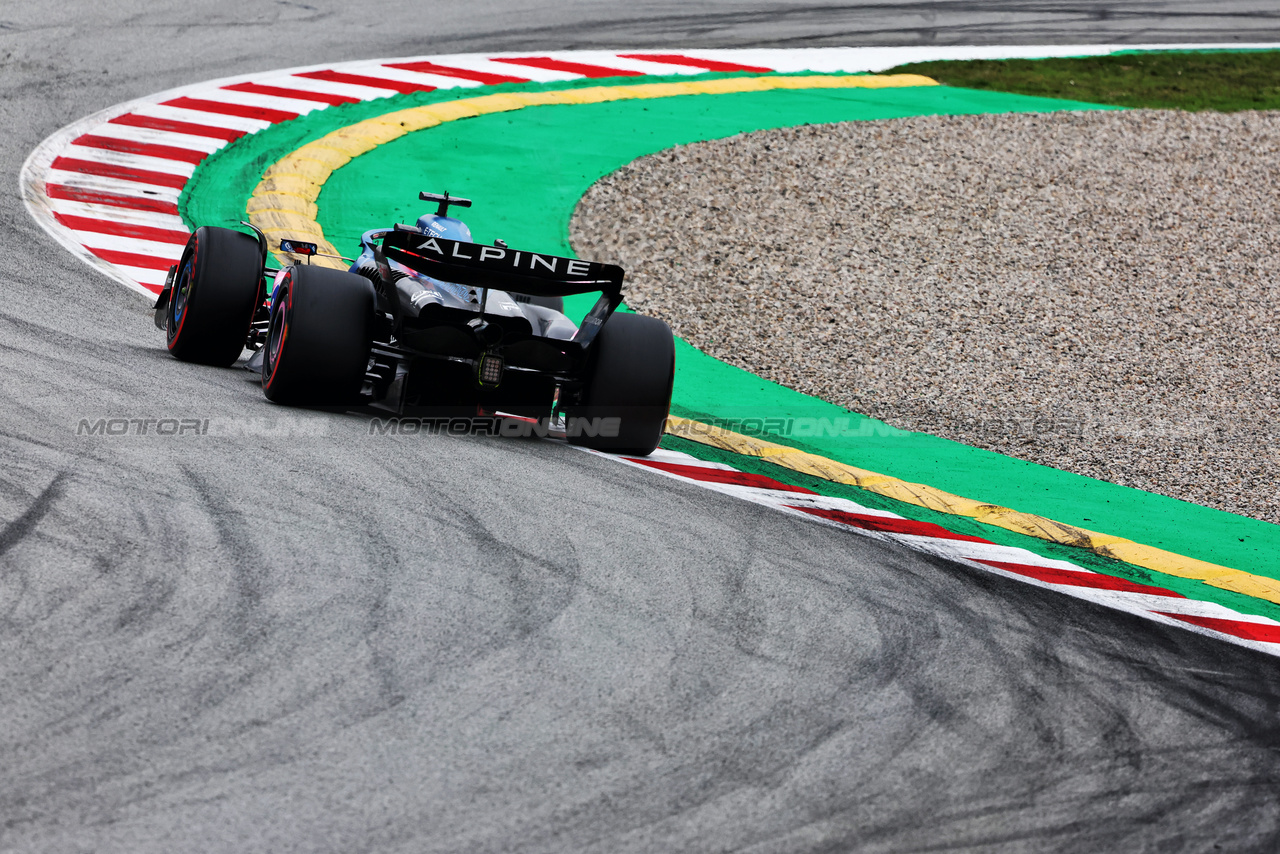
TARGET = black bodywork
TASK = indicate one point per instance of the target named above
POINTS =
(438, 340)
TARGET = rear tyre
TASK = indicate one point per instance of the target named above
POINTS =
(214, 296)
(319, 337)
(631, 377)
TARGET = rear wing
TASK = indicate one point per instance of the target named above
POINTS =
(505, 269)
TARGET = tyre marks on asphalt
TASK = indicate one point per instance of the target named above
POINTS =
(1149, 601)
(20, 528)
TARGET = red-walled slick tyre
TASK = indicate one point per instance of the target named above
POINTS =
(319, 337)
(215, 293)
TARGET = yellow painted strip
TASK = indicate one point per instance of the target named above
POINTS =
(284, 202)
(1147, 557)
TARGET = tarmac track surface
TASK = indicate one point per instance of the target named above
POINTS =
(316, 639)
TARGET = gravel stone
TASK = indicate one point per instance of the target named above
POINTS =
(1092, 291)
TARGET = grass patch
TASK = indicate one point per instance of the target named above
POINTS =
(1187, 80)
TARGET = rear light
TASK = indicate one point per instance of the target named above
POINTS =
(490, 370)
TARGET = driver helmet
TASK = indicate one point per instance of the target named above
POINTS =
(444, 226)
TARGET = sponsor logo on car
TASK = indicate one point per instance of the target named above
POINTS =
(518, 261)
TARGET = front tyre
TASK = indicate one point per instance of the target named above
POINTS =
(630, 380)
(319, 337)
(217, 291)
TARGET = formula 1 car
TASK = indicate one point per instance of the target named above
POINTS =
(426, 319)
